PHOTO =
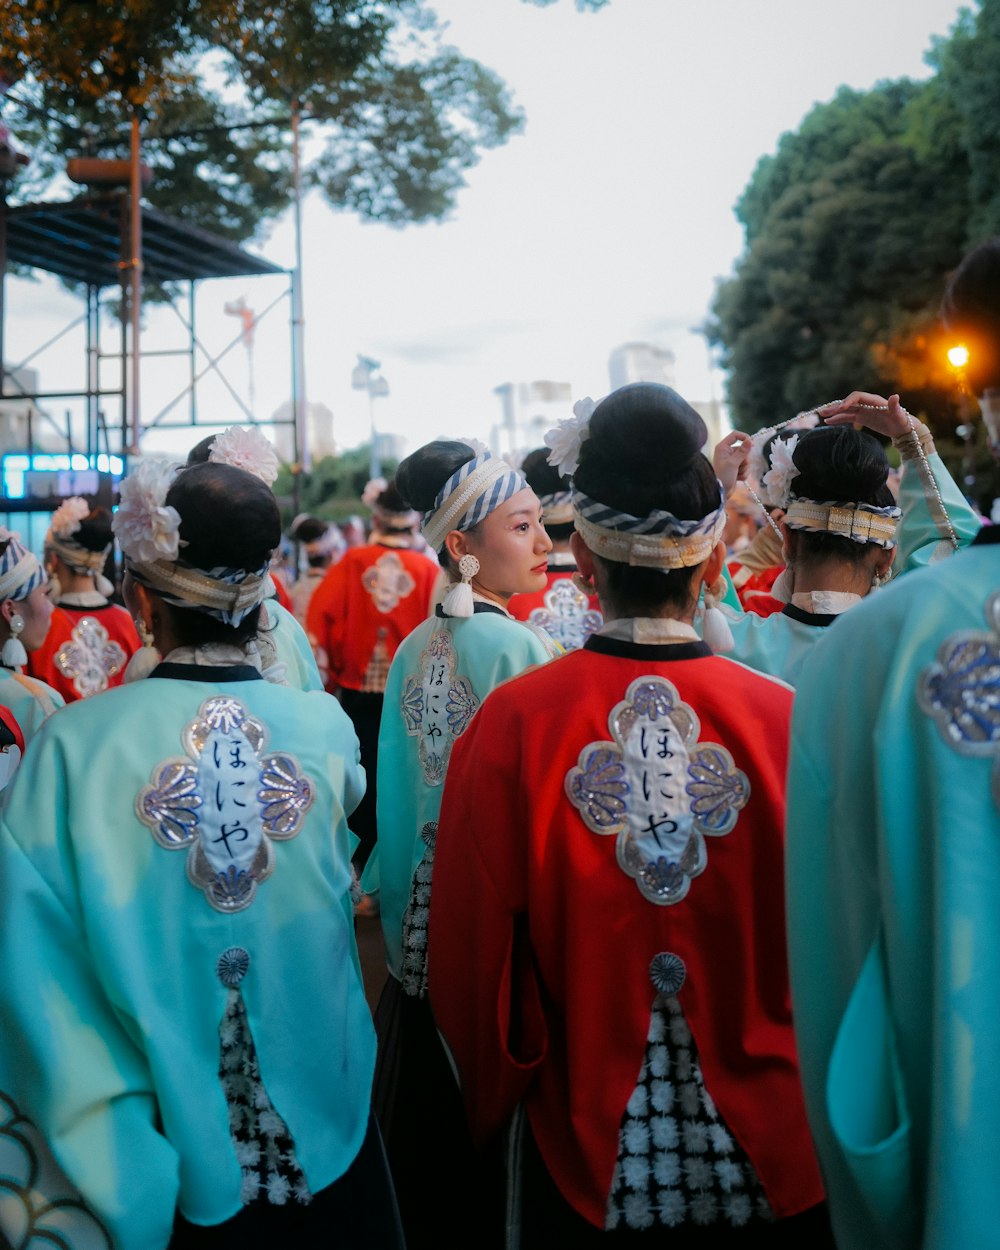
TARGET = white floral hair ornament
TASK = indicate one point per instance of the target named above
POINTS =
(146, 528)
(246, 449)
(370, 494)
(67, 517)
(777, 481)
(568, 437)
(477, 445)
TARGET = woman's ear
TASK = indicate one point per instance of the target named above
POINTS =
(715, 563)
(456, 545)
(582, 556)
(7, 609)
(788, 541)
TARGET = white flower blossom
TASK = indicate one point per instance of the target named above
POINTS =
(146, 529)
(657, 1027)
(278, 1189)
(246, 449)
(477, 445)
(777, 481)
(248, 1153)
(370, 494)
(67, 517)
(695, 1137)
(564, 442)
(689, 1098)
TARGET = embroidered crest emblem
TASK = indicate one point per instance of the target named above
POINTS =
(960, 690)
(437, 705)
(387, 581)
(567, 615)
(225, 801)
(88, 657)
(657, 789)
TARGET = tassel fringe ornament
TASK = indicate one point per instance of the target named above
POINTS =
(13, 654)
(715, 628)
(458, 601)
(145, 659)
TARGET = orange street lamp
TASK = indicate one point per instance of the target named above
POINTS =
(958, 356)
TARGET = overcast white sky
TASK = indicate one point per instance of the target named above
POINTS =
(609, 219)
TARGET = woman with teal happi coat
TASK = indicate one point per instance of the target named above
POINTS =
(25, 613)
(186, 1053)
(483, 519)
(844, 534)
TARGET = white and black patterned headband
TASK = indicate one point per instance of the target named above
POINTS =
(472, 492)
(659, 540)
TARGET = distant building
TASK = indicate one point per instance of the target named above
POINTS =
(529, 409)
(18, 416)
(319, 432)
(641, 362)
(714, 415)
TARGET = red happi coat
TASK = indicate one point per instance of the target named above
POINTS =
(569, 616)
(541, 943)
(85, 651)
(373, 594)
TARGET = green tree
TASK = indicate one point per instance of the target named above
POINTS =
(851, 228)
(332, 488)
(402, 115)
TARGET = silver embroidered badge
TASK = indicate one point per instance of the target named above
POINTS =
(225, 801)
(657, 789)
(387, 581)
(567, 616)
(437, 706)
(960, 690)
(88, 657)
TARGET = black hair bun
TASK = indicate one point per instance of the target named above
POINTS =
(390, 500)
(421, 475)
(840, 463)
(229, 518)
(644, 453)
(306, 529)
(542, 477)
(94, 533)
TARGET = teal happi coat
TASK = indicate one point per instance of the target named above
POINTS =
(438, 678)
(292, 648)
(31, 701)
(894, 930)
(175, 892)
(779, 644)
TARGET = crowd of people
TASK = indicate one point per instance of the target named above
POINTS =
(550, 722)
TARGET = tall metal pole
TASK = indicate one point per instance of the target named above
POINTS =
(298, 315)
(135, 282)
(3, 279)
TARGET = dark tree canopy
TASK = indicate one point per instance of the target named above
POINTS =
(400, 114)
(852, 226)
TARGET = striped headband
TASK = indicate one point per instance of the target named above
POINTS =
(20, 572)
(472, 492)
(860, 522)
(76, 557)
(227, 594)
(657, 541)
(557, 509)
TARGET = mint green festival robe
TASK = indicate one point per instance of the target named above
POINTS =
(155, 909)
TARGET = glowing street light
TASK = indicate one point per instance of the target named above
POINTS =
(958, 356)
(365, 376)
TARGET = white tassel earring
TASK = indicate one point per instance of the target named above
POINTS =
(458, 601)
(879, 581)
(715, 627)
(146, 658)
(13, 654)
